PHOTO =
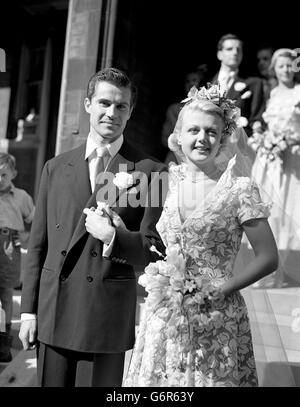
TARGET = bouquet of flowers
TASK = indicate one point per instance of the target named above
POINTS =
(186, 301)
(279, 136)
(268, 144)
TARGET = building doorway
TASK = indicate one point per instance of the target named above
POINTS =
(159, 41)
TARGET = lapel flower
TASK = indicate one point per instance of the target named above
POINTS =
(242, 122)
(123, 180)
(239, 86)
(246, 95)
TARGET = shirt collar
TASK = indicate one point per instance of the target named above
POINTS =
(112, 148)
(9, 190)
(224, 73)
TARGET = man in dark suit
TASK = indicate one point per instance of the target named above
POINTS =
(79, 278)
(248, 93)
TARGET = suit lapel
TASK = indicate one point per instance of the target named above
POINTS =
(77, 174)
(120, 162)
(232, 93)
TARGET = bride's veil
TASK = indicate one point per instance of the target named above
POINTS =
(270, 317)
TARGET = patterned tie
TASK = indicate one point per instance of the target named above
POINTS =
(100, 165)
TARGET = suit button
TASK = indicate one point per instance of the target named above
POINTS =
(63, 278)
(94, 254)
(64, 252)
(89, 279)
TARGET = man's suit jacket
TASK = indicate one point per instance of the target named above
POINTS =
(250, 99)
(86, 302)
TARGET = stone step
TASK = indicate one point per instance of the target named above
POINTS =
(21, 372)
(272, 352)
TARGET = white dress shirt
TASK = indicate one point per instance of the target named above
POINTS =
(91, 145)
(226, 79)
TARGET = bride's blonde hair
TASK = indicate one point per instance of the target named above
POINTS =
(209, 101)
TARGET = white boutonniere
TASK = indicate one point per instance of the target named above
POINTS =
(123, 180)
(246, 95)
(239, 86)
(242, 122)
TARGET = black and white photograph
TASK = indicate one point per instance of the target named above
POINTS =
(149, 196)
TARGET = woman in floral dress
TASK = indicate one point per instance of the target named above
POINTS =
(195, 329)
(277, 166)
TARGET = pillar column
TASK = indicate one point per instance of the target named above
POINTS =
(80, 60)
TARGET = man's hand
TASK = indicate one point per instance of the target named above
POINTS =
(104, 210)
(99, 226)
(28, 333)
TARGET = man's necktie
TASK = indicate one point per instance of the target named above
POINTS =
(100, 164)
(226, 81)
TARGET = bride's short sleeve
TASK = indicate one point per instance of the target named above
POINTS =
(250, 205)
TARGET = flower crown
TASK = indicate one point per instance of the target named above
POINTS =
(213, 94)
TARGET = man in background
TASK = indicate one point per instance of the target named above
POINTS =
(247, 92)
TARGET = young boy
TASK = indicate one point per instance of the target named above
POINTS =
(16, 207)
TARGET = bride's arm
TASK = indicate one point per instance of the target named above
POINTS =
(261, 238)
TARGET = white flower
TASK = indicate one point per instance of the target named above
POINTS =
(239, 86)
(123, 180)
(246, 95)
(152, 269)
(154, 250)
(143, 280)
(242, 122)
(282, 145)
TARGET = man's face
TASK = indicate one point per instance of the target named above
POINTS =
(264, 57)
(109, 110)
(231, 54)
(284, 70)
(6, 176)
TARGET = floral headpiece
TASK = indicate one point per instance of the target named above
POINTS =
(213, 94)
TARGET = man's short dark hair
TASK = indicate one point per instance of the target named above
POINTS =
(228, 37)
(114, 76)
(265, 48)
(7, 160)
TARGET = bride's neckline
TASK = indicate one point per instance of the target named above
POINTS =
(201, 176)
(196, 177)
(211, 193)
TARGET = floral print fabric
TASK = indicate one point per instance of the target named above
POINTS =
(220, 352)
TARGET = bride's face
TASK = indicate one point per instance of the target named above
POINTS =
(201, 136)
(284, 70)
